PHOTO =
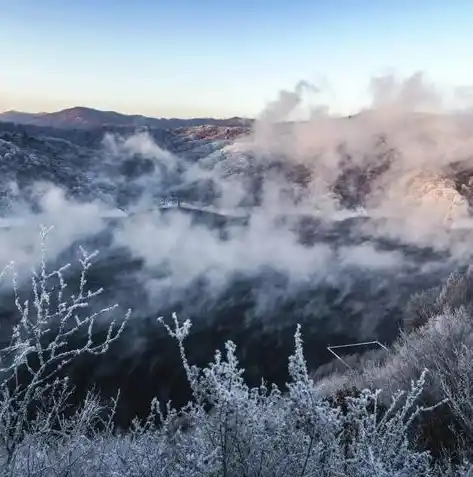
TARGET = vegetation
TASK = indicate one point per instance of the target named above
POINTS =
(229, 429)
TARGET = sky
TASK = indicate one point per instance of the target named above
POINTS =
(221, 58)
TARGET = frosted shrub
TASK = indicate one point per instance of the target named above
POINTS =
(440, 339)
(455, 293)
(227, 430)
(267, 432)
(33, 394)
(444, 345)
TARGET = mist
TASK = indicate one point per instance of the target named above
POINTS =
(332, 222)
(392, 166)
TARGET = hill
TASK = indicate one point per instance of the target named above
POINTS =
(89, 118)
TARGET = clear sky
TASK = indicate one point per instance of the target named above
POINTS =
(220, 57)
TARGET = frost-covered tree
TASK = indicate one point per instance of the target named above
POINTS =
(33, 393)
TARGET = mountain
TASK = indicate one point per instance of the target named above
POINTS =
(88, 118)
(19, 117)
(80, 162)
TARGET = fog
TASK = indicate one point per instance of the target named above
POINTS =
(389, 163)
(331, 221)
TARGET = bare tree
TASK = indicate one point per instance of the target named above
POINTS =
(33, 392)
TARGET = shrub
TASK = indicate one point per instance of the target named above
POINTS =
(33, 393)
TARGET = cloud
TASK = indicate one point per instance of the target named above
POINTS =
(293, 180)
(138, 144)
(413, 94)
(330, 222)
(72, 221)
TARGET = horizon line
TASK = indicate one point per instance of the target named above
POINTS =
(90, 108)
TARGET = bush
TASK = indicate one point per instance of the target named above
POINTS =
(440, 339)
(455, 293)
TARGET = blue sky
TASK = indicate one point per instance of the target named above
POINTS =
(221, 57)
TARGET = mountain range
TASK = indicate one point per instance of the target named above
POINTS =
(88, 118)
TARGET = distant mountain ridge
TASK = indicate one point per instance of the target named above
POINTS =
(88, 118)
